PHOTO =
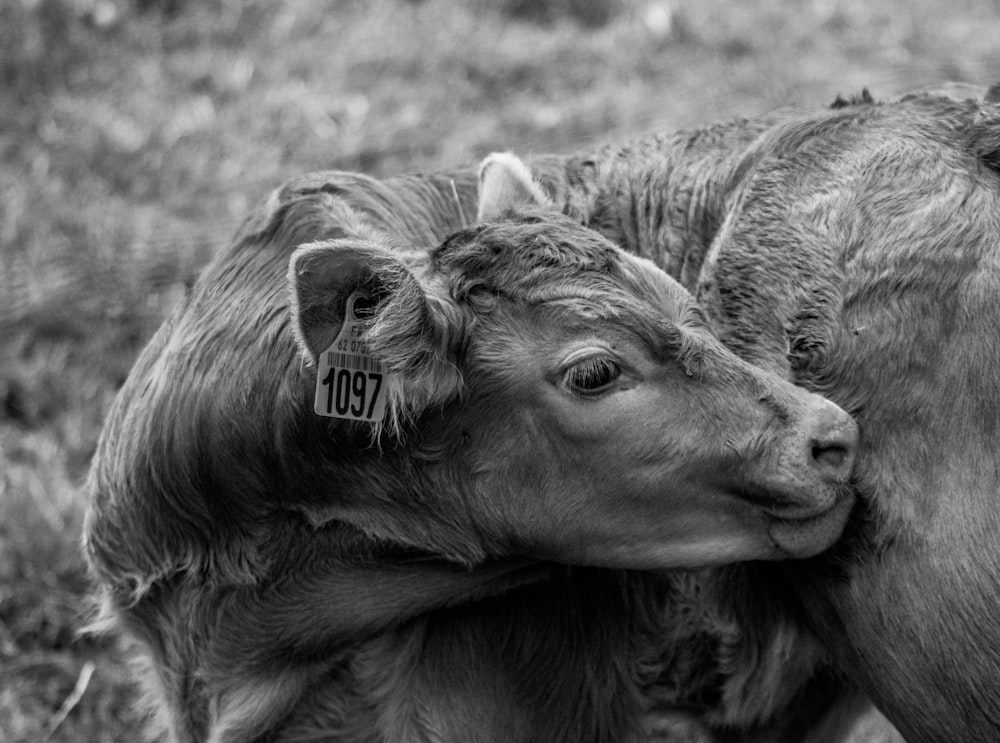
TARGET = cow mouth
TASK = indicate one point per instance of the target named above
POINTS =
(791, 507)
(801, 532)
(801, 526)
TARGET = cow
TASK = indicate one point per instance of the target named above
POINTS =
(361, 490)
(854, 251)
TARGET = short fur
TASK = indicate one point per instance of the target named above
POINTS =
(856, 251)
(289, 577)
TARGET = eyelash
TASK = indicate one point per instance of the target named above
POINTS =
(592, 375)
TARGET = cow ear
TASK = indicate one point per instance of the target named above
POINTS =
(505, 184)
(322, 276)
(405, 332)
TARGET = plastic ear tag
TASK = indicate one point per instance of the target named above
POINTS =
(350, 382)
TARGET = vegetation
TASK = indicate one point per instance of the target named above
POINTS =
(136, 134)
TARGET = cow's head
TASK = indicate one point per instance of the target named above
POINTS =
(574, 395)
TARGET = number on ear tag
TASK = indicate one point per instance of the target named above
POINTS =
(350, 382)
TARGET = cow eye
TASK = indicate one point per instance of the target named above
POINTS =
(591, 376)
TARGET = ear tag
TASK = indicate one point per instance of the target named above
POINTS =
(350, 382)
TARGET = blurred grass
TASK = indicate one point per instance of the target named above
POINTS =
(136, 134)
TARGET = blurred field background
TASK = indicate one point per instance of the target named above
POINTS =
(136, 134)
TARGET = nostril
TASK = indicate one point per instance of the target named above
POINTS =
(831, 456)
(833, 445)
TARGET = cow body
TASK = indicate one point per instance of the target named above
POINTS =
(856, 251)
(551, 400)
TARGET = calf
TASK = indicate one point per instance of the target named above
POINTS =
(854, 251)
(522, 396)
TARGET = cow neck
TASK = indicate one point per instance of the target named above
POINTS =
(436, 205)
(367, 549)
(363, 588)
(665, 197)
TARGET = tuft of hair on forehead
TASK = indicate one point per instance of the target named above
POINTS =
(517, 256)
(540, 257)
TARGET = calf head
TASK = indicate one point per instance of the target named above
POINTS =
(569, 398)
